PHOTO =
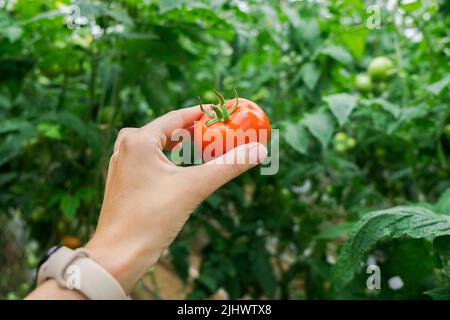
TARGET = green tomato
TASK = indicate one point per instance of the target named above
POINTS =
(351, 143)
(209, 97)
(363, 82)
(330, 189)
(380, 68)
(340, 137)
(12, 296)
(340, 147)
(285, 194)
(447, 131)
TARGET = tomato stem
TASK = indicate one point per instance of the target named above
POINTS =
(221, 114)
(209, 114)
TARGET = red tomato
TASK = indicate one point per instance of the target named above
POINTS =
(229, 124)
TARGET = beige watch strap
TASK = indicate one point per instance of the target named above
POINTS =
(74, 269)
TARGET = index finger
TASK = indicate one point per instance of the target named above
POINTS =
(173, 120)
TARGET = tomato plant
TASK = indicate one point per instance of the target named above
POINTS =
(364, 145)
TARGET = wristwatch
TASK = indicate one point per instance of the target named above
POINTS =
(74, 269)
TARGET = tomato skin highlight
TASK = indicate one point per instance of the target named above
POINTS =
(363, 82)
(248, 116)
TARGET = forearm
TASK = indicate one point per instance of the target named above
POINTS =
(125, 264)
(50, 290)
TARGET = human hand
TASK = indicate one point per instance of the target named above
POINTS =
(148, 199)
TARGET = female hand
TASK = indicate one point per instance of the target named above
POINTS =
(148, 199)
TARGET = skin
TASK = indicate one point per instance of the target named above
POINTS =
(148, 199)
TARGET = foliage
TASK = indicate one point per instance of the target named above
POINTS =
(347, 156)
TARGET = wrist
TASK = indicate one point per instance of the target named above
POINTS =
(126, 263)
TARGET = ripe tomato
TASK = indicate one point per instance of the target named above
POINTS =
(380, 68)
(231, 123)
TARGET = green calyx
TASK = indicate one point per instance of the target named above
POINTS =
(220, 112)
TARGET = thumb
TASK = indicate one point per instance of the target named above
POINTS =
(219, 171)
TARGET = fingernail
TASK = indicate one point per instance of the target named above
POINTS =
(257, 153)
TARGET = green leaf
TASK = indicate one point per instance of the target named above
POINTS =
(446, 271)
(72, 121)
(354, 39)
(179, 254)
(291, 14)
(167, 5)
(415, 222)
(7, 177)
(50, 130)
(443, 204)
(5, 102)
(437, 87)
(338, 53)
(69, 205)
(13, 33)
(138, 35)
(262, 268)
(442, 245)
(336, 231)
(341, 106)
(297, 137)
(410, 5)
(439, 293)
(42, 16)
(393, 109)
(120, 16)
(15, 124)
(208, 282)
(11, 146)
(321, 126)
(308, 31)
(310, 74)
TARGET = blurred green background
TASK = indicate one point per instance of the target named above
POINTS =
(357, 135)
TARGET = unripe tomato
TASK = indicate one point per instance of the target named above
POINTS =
(340, 147)
(340, 137)
(240, 119)
(208, 96)
(330, 189)
(285, 194)
(351, 143)
(380, 68)
(363, 82)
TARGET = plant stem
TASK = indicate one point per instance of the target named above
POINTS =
(399, 55)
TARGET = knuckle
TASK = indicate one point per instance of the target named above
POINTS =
(125, 131)
(131, 142)
(156, 138)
